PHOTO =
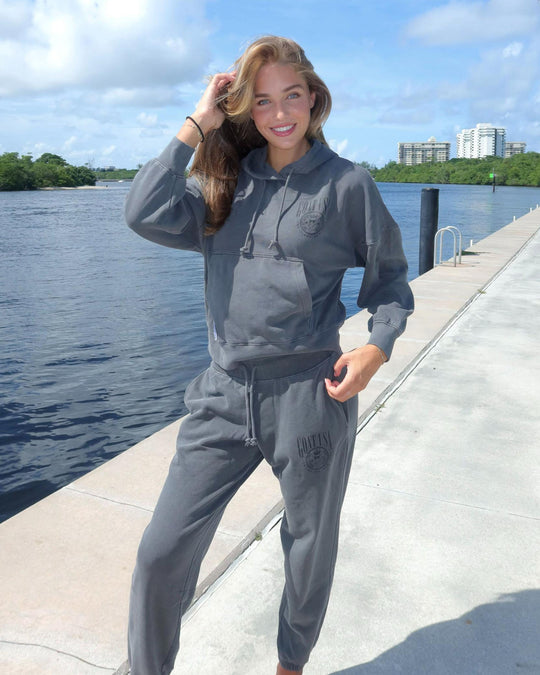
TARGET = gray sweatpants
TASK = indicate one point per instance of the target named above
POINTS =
(278, 411)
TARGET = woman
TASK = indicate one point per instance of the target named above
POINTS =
(278, 217)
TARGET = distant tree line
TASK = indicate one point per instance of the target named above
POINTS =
(22, 173)
(115, 174)
(522, 169)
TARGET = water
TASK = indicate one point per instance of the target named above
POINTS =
(101, 331)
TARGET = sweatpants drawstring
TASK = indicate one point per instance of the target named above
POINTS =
(250, 439)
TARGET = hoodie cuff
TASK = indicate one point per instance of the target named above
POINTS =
(176, 156)
(384, 337)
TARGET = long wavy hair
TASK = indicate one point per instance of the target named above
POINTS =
(217, 161)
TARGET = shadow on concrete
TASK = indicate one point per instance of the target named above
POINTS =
(499, 638)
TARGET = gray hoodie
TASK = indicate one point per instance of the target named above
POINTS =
(273, 272)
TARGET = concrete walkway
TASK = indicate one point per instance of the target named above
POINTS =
(439, 565)
(439, 561)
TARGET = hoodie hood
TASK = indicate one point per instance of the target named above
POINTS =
(256, 166)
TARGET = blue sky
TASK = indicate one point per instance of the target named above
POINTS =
(108, 82)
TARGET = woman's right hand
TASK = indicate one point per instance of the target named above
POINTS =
(208, 114)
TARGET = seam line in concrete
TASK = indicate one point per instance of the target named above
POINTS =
(449, 501)
(229, 533)
(56, 651)
(68, 488)
(199, 601)
(239, 551)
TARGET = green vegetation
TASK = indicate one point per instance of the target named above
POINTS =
(21, 173)
(523, 169)
(115, 174)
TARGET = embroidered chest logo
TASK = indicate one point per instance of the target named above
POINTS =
(315, 450)
(310, 216)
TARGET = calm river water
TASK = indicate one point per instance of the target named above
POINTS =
(101, 331)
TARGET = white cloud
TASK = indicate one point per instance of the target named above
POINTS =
(39, 149)
(498, 77)
(406, 118)
(147, 96)
(151, 126)
(342, 148)
(155, 133)
(68, 145)
(501, 89)
(475, 22)
(55, 45)
(146, 120)
(513, 49)
(339, 146)
(14, 18)
(497, 83)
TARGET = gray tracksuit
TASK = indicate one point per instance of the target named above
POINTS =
(273, 277)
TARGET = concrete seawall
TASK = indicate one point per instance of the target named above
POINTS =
(66, 562)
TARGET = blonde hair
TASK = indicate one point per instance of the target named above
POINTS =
(217, 160)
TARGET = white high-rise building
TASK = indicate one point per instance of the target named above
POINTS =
(484, 140)
(514, 148)
(420, 153)
(464, 143)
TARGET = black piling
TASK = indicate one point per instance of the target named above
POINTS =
(429, 221)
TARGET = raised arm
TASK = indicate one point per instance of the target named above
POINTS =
(162, 205)
(207, 115)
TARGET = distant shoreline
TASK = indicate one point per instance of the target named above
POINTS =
(78, 187)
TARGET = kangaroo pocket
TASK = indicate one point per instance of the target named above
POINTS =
(257, 300)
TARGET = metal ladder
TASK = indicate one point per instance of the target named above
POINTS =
(439, 235)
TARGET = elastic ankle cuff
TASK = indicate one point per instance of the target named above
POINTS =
(290, 666)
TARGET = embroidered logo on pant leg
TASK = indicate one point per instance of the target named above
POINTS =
(315, 450)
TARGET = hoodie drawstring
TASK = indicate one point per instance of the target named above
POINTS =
(247, 244)
(246, 248)
(275, 241)
(250, 439)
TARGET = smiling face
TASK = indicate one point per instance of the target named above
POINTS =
(281, 112)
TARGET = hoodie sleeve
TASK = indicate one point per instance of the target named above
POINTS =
(165, 207)
(385, 292)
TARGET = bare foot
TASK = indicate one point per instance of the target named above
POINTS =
(283, 671)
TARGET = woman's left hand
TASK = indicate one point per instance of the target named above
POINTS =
(362, 364)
